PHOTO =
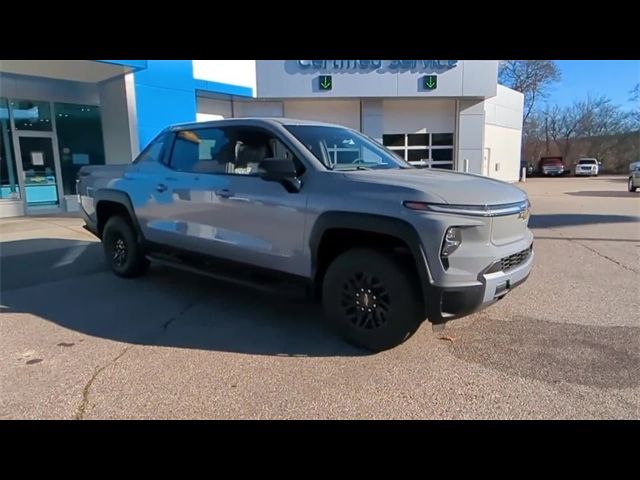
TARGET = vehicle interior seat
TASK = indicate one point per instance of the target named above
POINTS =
(249, 156)
(220, 161)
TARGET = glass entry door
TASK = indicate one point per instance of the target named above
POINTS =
(40, 170)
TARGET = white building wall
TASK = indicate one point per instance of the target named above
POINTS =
(503, 146)
(290, 79)
(341, 112)
(119, 120)
(505, 109)
(503, 133)
(372, 118)
(471, 126)
(233, 72)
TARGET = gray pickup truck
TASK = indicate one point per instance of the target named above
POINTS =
(261, 202)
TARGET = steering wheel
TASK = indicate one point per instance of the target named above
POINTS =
(358, 160)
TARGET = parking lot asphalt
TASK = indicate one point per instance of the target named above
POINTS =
(78, 342)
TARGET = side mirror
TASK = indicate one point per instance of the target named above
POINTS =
(281, 170)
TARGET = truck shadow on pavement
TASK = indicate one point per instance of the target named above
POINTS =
(551, 220)
(552, 352)
(71, 287)
(604, 193)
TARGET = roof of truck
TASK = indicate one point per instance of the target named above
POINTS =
(253, 120)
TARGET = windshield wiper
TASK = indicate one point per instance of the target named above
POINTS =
(350, 168)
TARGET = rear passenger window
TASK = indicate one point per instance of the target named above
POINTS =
(154, 151)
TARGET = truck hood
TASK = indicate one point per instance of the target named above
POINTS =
(454, 188)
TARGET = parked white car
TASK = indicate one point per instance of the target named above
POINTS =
(634, 177)
(587, 166)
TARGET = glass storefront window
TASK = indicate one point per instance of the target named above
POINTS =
(79, 129)
(31, 115)
(8, 173)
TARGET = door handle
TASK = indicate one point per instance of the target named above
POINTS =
(225, 193)
(161, 187)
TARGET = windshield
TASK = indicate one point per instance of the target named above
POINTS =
(343, 149)
(587, 161)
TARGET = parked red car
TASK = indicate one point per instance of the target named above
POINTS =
(552, 166)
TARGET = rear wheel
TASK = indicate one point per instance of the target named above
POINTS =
(372, 300)
(122, 251)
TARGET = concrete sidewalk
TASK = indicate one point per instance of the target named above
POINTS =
(42, 249)
(23, 235)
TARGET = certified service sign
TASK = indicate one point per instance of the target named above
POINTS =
(366, 66)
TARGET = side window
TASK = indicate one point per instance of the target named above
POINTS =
(226, 150)
(207, 150)
(154, 151)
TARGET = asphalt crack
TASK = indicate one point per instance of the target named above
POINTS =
(165, 325)
(606, 257)
(82, 409)
(593, 250)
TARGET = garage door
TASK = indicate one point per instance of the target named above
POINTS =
(427, 150)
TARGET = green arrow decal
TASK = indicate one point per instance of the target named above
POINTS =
(325, 82)
(430, 82)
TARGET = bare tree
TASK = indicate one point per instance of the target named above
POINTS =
(533, 145)
(602, 123)
(561, 125)
(599, 116)
(531, 77)
(593, 127)
(634, 114)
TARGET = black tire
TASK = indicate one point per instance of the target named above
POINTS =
(632, 188)
(362, 279)
(122, 251)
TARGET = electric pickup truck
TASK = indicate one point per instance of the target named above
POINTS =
(381, 244)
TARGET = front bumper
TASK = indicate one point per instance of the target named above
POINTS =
(448, 303)
(498, 284)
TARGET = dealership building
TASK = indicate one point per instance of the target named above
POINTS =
(58, 115)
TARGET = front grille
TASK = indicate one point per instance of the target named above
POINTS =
(512, 261)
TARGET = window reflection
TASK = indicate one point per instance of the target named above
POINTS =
(79, 129)
(31, 115)
(8, 176)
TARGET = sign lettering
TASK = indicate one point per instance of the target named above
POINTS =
(378, 65)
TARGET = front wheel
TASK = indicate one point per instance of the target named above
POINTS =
(122, 251)
(632, 187)
(372, 300)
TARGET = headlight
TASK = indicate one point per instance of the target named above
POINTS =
(451, 242)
